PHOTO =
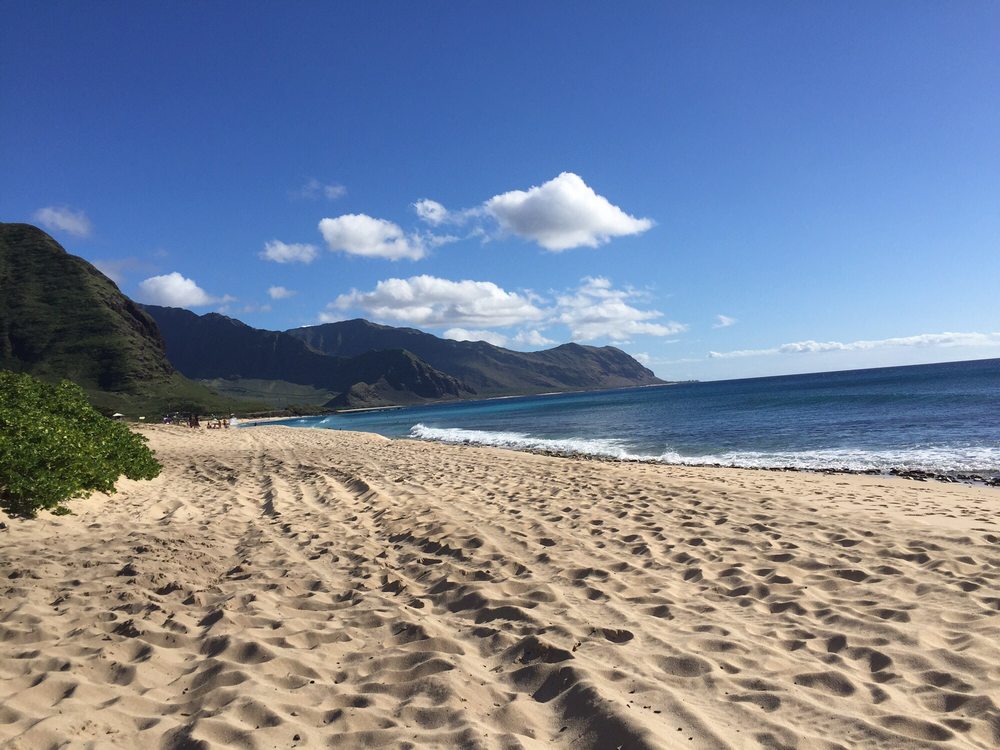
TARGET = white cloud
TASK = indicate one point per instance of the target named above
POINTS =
(642, 358)
(524, 338)
(360, 234)
(464, 334)
(431, 301)
(432, 212)
(741, 353)
(281, 252)
(724, 321)
(598, 310)
(64, 219)
(313, 189)
(946, 340)
(531, 338)
(594, 310)
(328, 317)
(562, 213)
(280, 292)
(436, 240)
(174, 290)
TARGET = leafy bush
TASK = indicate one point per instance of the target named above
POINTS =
(55, 446)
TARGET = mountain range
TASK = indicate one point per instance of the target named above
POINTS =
(489, 370)
(60, 317)
(230, 353)
(335, 356)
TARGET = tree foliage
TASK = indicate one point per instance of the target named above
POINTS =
(55, 446)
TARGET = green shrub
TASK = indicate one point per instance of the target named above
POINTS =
(55, 446)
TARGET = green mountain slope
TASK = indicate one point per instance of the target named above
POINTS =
(490, 370)
(62, 318)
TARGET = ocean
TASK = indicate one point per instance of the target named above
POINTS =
(942, 418)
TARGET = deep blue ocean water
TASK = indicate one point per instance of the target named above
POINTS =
(941, 417)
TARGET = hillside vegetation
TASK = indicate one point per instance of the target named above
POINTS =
(61, 318)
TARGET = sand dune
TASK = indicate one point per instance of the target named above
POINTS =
(280, 588)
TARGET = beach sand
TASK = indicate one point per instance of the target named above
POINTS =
(279, 588)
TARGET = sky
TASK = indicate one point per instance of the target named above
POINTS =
(720, 189)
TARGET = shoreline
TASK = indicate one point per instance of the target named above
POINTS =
(990, 479)
(918, 475)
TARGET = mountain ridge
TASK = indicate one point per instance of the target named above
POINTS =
(491, 370)
(213, 345)
(61, 318)
(346, 357)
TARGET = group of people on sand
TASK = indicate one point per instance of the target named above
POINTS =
(192, 420)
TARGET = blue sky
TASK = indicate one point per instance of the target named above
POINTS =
(721, 189)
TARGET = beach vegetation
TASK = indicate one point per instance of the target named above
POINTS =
(55, 446)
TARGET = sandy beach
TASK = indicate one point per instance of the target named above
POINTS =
(280, 588)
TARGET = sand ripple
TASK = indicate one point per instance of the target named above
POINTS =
(296, 588)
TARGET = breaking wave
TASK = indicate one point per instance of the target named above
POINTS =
(954, 459)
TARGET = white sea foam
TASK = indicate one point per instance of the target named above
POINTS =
(964, 459)
(609, 448)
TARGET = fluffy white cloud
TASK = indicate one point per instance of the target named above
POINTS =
(524, 338)
(562, 213)
(174, 290)
(64, 219)
(532, 338)
(464, 334)
(594, 310)
(282, 252)
(947, 339)
(313, 189)
(431, 301)
(280, 292)
(432, 212)
(724, 321)
(360, 234)
(598, 310)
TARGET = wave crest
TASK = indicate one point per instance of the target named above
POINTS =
(960, 459)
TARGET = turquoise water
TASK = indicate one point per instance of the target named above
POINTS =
(942, 417)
